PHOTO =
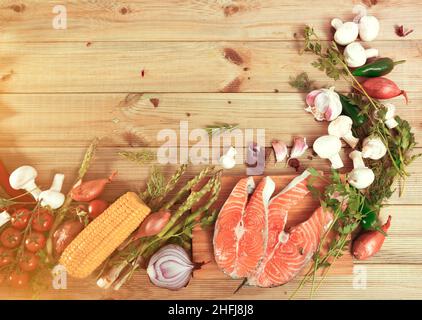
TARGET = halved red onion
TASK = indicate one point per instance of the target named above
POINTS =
(170, 267)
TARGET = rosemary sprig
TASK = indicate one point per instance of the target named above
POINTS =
(140, 157)
(220, 127)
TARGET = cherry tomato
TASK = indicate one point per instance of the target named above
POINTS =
(6, 256)
(43, 220)
(18, 280)
(20, 218)
(35, 241)
(29, 261)
(11, 238)
(96, 207)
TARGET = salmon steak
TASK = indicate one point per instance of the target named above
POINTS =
(240, 234)
(250, 240)
(292, 254)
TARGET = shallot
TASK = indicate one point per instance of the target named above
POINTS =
(369, 243)
(170, 267)
(383, 88)
(90, 190)
(153, 224)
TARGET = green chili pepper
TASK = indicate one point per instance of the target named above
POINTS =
(352, 111)
(370, 219)
(378, 68)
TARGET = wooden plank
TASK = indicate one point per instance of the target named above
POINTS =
(176, 66)
(202, 242)
(66, 160)
(41, 119)
(383, 281)
(149, 20)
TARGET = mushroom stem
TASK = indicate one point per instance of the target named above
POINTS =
(57, 182)
(357, 159)
(350, 139)
(336, 162)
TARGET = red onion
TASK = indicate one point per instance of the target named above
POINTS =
(170, 267)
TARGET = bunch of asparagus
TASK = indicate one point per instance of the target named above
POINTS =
(133, 254)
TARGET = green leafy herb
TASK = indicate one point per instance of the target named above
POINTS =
(301, 82)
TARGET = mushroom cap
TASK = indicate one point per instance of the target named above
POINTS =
(361, 178)
(21, 176)
(355, 55)
(369, 28)
(51, 198)
(327, 146)
(340, 126)
(391, 110)
(346, 33)
(373, 148)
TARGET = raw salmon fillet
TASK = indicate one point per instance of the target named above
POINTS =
(240, 236)
(278, 209)
(290, 256)
(225, 239)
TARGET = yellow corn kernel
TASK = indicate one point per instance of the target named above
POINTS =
(104, 235)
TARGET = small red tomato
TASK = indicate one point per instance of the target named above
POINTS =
(18, 280)
(42, 221)
(6, 256)
(96, 207)
(11, 238)
(35, 241)
(20, 218)
(29, 261)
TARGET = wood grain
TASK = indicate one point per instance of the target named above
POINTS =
(75, 118)
(176, 67)
(179, 60)
(192, 20)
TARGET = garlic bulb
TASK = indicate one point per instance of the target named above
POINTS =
(324, 104)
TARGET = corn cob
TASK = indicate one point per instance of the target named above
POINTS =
(103, 235)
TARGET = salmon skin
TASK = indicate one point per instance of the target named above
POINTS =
(250, 240)
(240, 234)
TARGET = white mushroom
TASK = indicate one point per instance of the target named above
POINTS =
(360, 177)
(373, 148)
(345, 32)
(328, 147)
(228, 160)
(4, 218)
(369, 26)
(390, 122)
(324, 104)
(342, 128)
(53, 197)
(24, 178)
(355, 55)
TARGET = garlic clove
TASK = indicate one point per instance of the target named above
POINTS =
(299, 147)
(280, 150)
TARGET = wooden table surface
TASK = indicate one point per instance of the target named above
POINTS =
(205, 61)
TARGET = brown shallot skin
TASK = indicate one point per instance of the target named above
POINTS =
(369, 243)
(90, 190)
(153, 224)
(383, 88)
